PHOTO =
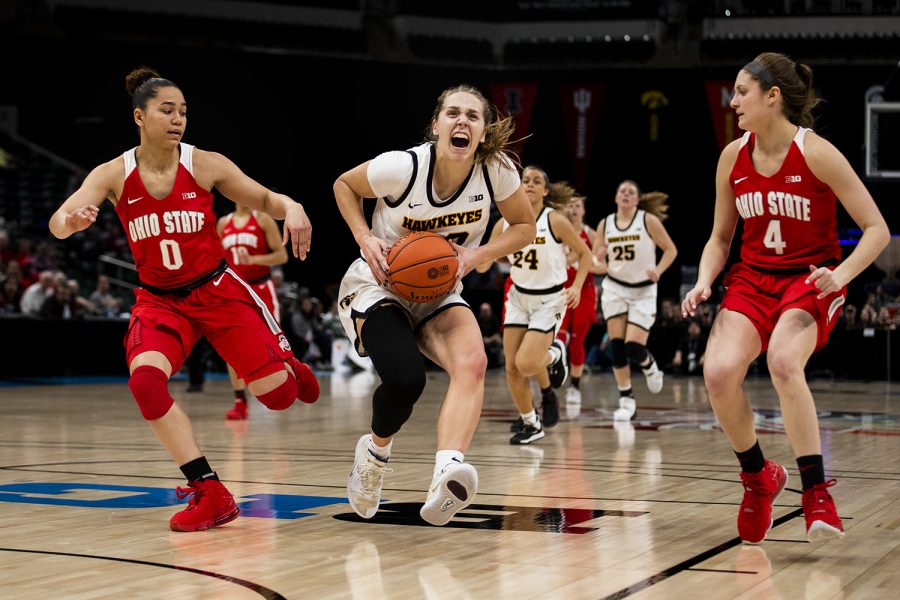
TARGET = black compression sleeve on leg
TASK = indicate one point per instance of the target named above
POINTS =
(389, 340)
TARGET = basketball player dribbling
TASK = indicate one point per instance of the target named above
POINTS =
(784, 295)
(536, 303)
(162, 193)
(446, 185)
(253, 246)
(626, 243)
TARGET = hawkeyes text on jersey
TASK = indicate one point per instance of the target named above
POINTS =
(631, 251)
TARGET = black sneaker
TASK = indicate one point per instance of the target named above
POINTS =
(517, 425)
(549, 409)
(529, 433)
(558, 370)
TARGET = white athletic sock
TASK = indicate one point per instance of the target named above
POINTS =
(384, 453)
(530, 418)
(554, 353)
(442, 457)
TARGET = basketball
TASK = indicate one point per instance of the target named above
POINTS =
(422, 266)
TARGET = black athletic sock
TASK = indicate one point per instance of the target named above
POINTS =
(575, 382)
(547, 392)
(812, 470)
(198, 470)
(627, 392)
(752, 460)
(240, 395)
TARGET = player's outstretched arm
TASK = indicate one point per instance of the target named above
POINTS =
(80, 210)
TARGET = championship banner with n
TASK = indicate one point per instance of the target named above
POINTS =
(581, 108)
(719, 94)
(515, 100)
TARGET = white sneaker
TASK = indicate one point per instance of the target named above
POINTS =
(452, 489)
(654, 377)
(364, 483)
(626, 410)
(573, 395)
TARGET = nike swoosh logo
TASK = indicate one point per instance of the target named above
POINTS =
(133, 200)
(216, 282)
(737, 181)
(411, 205)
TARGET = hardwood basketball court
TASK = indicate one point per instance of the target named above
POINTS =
(590, 511)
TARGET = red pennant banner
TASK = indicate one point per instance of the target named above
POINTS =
(516, 100)
(719, 94)
(581, 108)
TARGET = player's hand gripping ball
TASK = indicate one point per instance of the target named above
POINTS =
(422, 266)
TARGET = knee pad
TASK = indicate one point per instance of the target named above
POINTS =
(637, 353)
(390, 342)
(149, 386)
(281, 397)
(619, 358)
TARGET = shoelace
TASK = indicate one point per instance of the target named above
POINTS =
(817, 491)
(371, 473)
(195, 491)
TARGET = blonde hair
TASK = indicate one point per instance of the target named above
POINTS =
(497, 131)
(654, 203)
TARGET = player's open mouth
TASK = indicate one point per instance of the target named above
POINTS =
(459, 141)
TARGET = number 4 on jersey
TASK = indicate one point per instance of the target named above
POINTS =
(773, 237)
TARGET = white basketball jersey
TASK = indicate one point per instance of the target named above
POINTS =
(541, 264)
(631, 251)
(462, 218)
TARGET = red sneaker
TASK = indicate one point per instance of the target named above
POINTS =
(822, 520)
(211, 505)
(760, 490)
(238, 413)
(307, 385)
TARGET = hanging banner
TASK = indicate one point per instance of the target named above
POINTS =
(655, 102)
(719, 94)
(581, 108)
(515, 100)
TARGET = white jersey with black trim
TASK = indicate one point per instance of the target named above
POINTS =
(630, 251)
(407, 201)
(541, 264)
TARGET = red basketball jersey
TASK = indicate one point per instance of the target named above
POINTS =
(572, 269)
(252, 237)
(790, 218)
(174, 239)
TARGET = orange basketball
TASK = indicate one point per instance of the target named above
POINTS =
(422, 266)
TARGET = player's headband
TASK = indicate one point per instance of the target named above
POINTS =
(761, 73)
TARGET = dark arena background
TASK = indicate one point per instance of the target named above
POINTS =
(296, 93)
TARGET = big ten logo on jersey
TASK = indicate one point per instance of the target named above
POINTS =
(173, 221)
(476, 198)
(189, 195)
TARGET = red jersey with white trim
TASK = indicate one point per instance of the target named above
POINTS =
(790, 218)
(572, 269)
(174, 239)
(252, 237)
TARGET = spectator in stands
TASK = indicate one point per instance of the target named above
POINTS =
(6, 252)
(25, 258)
(85, 306)
(490, 334)
(11, 295)
(161, 190)
(107, 305)
(850, 317)
(36, 293)
(688, 357)
(45, 257)
(868, 316)
(61, 305)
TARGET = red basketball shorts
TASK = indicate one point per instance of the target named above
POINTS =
(763, 297)
(226, 310)
(578, 322)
